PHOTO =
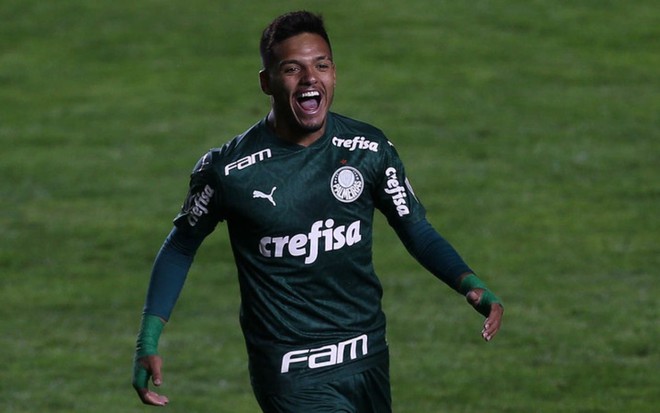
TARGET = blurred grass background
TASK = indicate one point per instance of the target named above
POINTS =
(529, 130)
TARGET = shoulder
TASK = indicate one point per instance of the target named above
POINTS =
(345, 124)
(233, 151)
(355, 134)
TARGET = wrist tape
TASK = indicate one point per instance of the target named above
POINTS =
(147, 342)
(487, 298)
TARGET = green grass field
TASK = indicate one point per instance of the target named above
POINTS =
(530, 131)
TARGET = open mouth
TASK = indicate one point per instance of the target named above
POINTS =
(309, 101)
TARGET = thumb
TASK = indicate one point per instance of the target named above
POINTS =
(473, 297)
(156, 375)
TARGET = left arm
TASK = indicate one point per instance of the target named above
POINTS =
(394, 197)
(483, 300)
(439, 257)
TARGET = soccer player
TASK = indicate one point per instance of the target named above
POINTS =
(298, 192)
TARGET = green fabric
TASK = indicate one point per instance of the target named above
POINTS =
(300, 222)
(150, 329)
(140, 375)
(488, 298)
(470, 283)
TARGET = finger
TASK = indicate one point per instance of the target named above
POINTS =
(492, 323)
(488, 332)
(143, 369)
(475, 298)
(154, 399)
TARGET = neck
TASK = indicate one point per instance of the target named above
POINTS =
(299, 137)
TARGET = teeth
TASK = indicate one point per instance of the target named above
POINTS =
(311, 94)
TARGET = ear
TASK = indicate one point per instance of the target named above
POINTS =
(264, 81)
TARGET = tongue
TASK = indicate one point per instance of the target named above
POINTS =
(309, 104)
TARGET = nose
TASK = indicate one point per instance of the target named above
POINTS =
(308, 76)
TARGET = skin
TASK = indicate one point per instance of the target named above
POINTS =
(302, 63)
(493, 321)
(153, 366)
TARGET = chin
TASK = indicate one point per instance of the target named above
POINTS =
(314, 124)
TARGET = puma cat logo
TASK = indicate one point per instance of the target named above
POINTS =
(259, 194)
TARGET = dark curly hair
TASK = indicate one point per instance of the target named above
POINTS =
(289, 25)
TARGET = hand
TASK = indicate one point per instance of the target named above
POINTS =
(493, 314)
(143, 368)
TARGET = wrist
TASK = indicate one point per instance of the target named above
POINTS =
(151, 327)
(472, 282)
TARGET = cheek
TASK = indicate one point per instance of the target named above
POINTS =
(282, 88)
(331, 81)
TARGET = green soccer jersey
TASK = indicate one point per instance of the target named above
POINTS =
(300, 222)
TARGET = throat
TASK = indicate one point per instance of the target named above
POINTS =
(295, 133)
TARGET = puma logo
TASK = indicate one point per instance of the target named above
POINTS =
(259, 194)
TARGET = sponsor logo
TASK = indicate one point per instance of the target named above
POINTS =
(322, 236)
(397, 192)
(198, 205)
(259, 194)
(248, 160)
(347, 184)
(358, 142)
(329, 355)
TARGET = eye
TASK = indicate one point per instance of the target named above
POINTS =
(290, 69)
(324, 66)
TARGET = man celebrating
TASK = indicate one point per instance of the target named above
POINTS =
(298, 191)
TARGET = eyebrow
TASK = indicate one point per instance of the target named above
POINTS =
(294, 61)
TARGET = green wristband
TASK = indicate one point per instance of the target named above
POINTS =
(148, 336)
(487, 298)
(140, 375)
(470, 283)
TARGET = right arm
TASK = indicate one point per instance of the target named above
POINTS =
(169, 272)
(168, 276)
(198, 217)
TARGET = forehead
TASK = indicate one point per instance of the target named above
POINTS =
(304, 46)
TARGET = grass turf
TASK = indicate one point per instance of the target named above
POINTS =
(529, 130)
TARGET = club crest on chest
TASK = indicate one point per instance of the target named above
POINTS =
(347, 184)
